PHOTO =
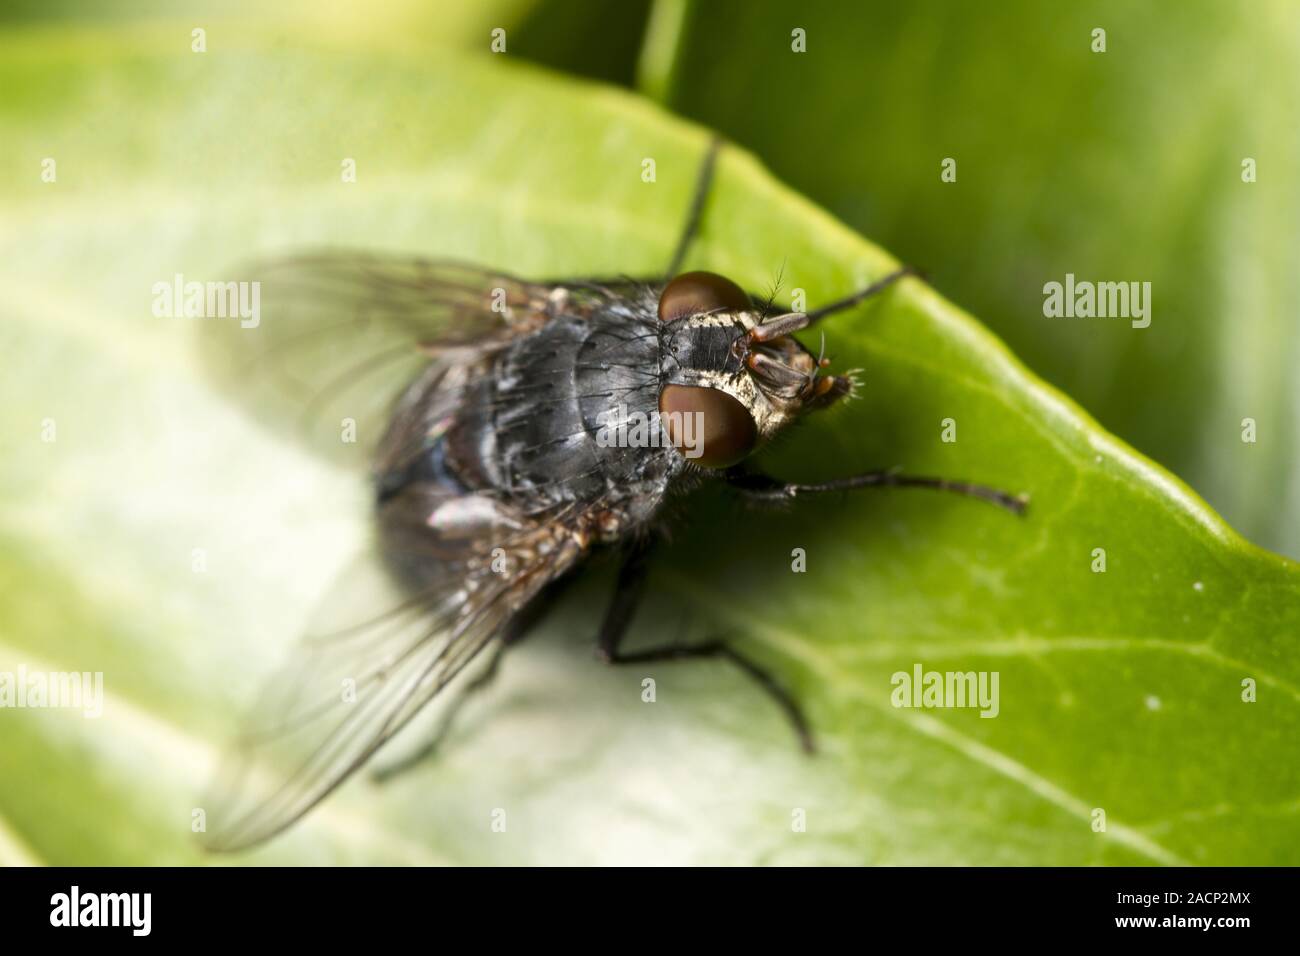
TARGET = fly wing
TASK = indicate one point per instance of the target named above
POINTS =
(359, 677)
(339, 334)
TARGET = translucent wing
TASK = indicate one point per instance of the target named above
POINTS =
(339, 334)
(358, 677)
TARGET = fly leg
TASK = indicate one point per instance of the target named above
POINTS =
(627, 593)
(757, 486)
(515, 632)
(703, 179)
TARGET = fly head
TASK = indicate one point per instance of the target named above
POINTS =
(739, 374)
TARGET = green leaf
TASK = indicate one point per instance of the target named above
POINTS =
(1119, 690)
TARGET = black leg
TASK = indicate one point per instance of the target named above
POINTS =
(631, 583)
(703, 180)
(760, 487)
(627, 595)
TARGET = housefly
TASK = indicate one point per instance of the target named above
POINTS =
(497, 470)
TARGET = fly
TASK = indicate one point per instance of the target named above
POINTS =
(494, 476)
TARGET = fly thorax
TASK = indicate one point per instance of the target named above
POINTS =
(700, 352)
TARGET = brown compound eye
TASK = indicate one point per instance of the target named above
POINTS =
(694, 292)
(707, 425)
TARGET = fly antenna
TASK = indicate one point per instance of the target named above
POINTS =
(849, 301)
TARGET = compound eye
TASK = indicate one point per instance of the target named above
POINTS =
(707, 425)
(694, 292)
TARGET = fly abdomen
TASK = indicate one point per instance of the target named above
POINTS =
(539, 438)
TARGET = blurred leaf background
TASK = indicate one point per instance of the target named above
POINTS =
(1123, 165)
